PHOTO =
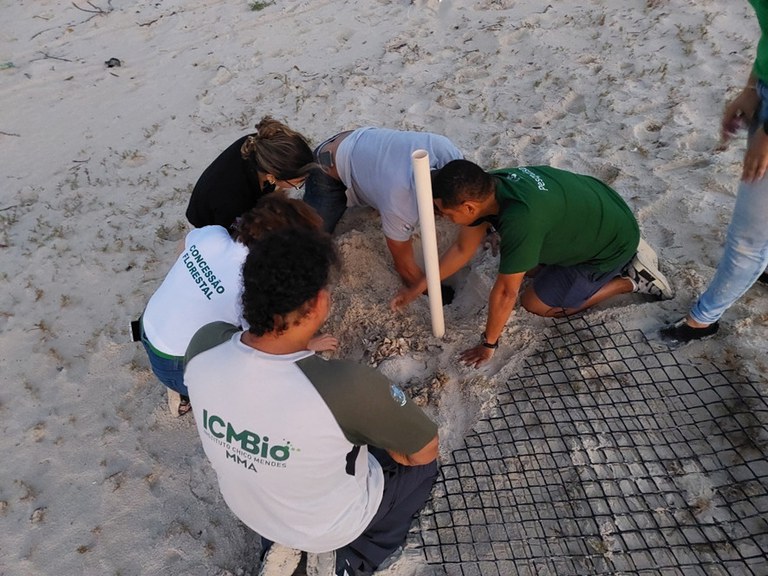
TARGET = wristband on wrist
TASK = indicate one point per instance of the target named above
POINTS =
(488, 344)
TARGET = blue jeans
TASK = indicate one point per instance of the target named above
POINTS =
(170, 371)
(326, 195)
(746, 243)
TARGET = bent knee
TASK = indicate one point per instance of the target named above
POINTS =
(533, 304)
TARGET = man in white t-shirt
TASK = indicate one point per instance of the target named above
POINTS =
(372, 167)
(315, 455)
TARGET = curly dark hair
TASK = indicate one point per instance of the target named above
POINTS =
(459, 181)
(283, 272)
(274, 212)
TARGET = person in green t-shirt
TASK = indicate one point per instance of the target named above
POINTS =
(572, 234)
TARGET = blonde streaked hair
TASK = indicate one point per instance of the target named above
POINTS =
(278, 150)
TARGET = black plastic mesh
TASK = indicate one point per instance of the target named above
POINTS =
(606, 457)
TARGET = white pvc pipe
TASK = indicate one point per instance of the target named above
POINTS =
(420, 160)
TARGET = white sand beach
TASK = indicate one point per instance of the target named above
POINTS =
(98, 164)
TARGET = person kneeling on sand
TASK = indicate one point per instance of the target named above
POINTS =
(372, 167)
(204, 285)
(314, 455)
(573, 234)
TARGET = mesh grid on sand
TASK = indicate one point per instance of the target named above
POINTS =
(606, 457)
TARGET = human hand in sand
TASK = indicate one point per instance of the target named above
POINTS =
(756, 158)
(408, 295)
(476, 356)
(323, 343)
(405, 297)
(739, 112)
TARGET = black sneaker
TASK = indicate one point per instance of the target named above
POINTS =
(680, 332)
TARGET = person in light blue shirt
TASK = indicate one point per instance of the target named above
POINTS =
(372, 167)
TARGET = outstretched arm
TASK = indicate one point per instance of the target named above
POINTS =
(456, 257)
(500, 305)
(405, 263)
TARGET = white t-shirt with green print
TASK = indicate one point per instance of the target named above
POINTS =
(288, 436)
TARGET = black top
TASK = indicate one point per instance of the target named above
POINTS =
(228, 188)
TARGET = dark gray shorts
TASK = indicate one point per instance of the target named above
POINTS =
(570, 286)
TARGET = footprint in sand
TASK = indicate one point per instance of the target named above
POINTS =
(699, 142)
(449, 102)
(647, 131)
(134, 158)
(575, 104)
(223, 75)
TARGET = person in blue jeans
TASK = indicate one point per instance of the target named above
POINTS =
(746, 246)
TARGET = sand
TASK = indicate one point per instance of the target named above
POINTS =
(98, 164)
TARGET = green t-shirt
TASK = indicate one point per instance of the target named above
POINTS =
(550, 216)
(760, 68)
